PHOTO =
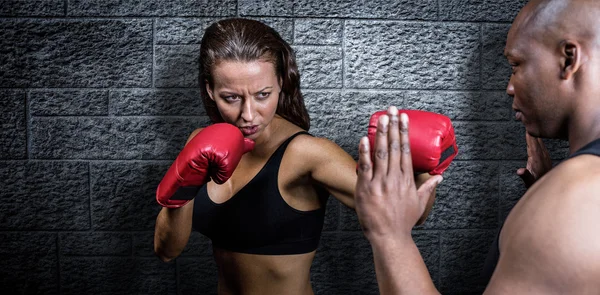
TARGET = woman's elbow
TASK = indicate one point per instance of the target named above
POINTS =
(164, 255)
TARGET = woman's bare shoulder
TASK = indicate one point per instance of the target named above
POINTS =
(314, 150)
(194, 133)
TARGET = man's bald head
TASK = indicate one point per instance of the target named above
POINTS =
(552, 21)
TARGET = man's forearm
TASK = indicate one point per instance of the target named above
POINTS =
(400, 268)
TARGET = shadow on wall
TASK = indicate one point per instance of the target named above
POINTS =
(94, 138)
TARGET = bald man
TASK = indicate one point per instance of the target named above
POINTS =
(550, 243)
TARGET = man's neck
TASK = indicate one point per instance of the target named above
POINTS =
(584, 128)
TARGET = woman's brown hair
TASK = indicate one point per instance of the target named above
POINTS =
(247, 40)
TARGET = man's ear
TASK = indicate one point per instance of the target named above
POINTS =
(209, 90)
(570, 58)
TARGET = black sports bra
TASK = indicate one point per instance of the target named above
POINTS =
(257, 220)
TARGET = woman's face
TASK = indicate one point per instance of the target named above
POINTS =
(246, 94)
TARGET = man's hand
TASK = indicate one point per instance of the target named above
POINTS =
(387, 202)
(538, 161)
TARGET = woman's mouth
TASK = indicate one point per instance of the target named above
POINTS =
(247, 131)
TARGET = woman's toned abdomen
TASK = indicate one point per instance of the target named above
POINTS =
(249, 274)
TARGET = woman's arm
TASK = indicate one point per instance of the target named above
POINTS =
(172, 231)
(173, 227)
(328, 165)
(335, 169)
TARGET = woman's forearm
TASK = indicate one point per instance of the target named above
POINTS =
(172, 231)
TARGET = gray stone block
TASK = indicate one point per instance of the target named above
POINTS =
(143, 244)
(558, 148)
(266, 7)
(283, 26)
(152, 8)
(111, 138)
(401, 9)
(332, 214)
(318, 32)
(197, 275)
(333, 111)
(512, 187)
(343, 116)
(467, 198)
(117, 275)
(68, 102)
(340, 117)
(344, 265)
(176, 66)
(184, 31)
(490, 140)
(75, 53)
(156, 102)
(320, 67)
(29, 263)
(95, 244)
(32, 8)
(495, 69)
(181, 31)
(428, 243)
(124, 195)
(480, 10)
(349, 220)
(463, 253)
(13, 132)
(412, 55)
(468, 106)
(44, 196)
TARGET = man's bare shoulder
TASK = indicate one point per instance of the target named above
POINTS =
(550, 238)
(578, 177)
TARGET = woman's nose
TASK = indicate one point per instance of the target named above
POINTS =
(248, 110)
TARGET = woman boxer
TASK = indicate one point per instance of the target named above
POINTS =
(265, 207)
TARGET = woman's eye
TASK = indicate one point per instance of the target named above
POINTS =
(231, 98)
(263, 95)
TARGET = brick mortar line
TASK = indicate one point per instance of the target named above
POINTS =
(89, 166)
(108, 100)
(123, 117)
(152, 76)
(71, 231)
(150, 17)
(28, 126)
(428, 230)
(157, 89)
(439, 275)
(58, 264)
(481, 56)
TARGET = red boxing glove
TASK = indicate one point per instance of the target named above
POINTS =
(213, 153)
(432, 141)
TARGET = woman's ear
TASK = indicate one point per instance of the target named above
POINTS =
(570, 58)
(209, 90)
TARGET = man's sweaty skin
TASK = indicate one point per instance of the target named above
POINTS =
(549, 243)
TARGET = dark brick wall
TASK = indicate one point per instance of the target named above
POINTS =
(98, 97)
